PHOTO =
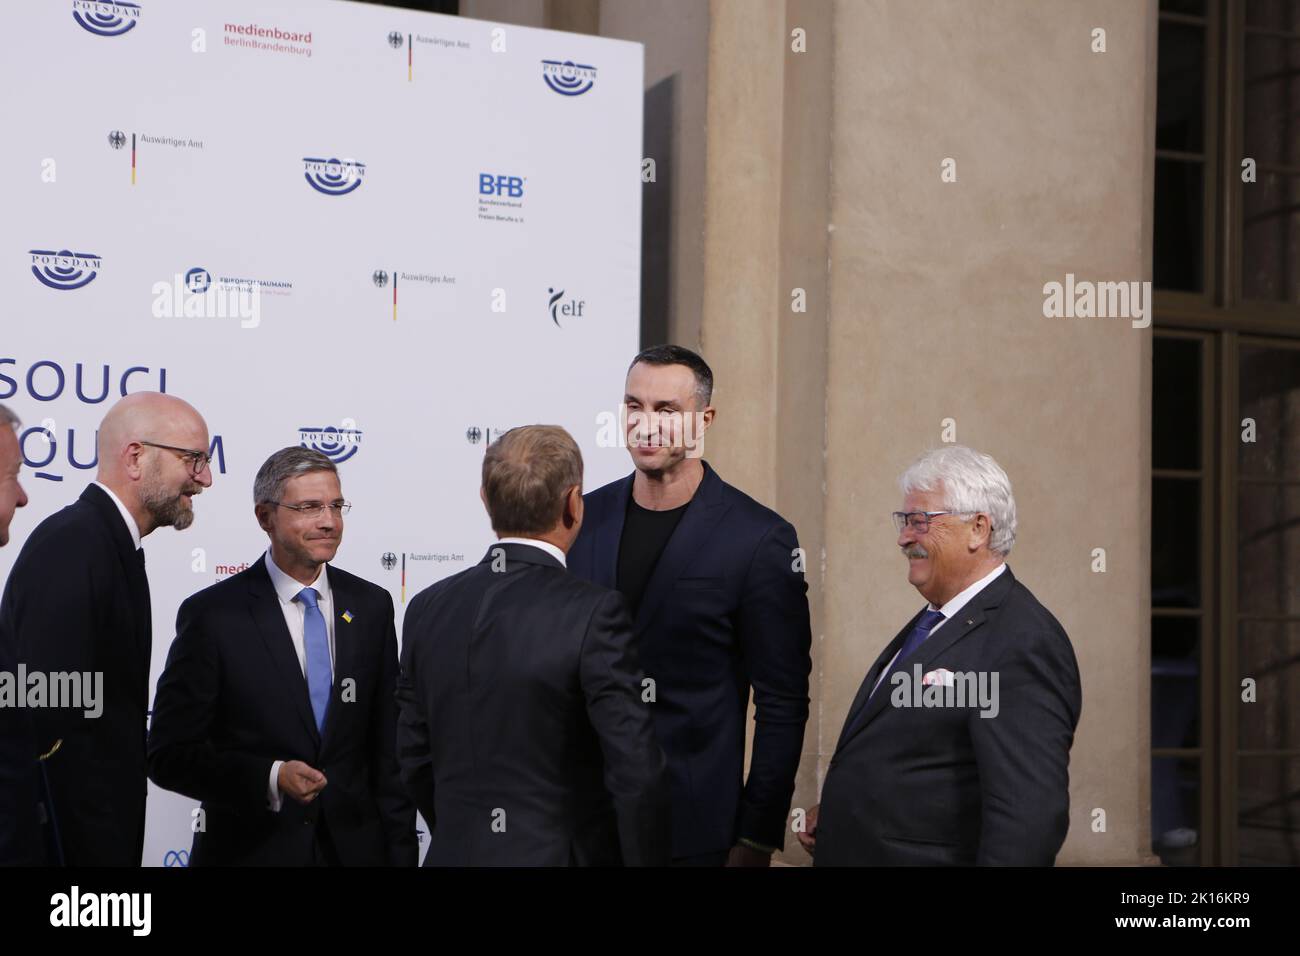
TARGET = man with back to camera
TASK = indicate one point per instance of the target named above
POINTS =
(715, 584)
(19, 824)
(276, 707)
(77, 601)
(524, 734)
(956, 783)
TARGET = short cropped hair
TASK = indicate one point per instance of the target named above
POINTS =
(677, 355)
(971, 482)
(285, 464)
(526, 474)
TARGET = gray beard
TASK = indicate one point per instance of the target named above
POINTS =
(167, 512)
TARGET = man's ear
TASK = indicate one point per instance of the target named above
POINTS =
(263, 515)
(573, 506)
(131, 460)
(981, 531)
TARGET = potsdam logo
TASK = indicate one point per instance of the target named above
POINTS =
(333, 177)
(558, 307)
(106, 19)
(568, 78)
(337, 444)
(64, 269)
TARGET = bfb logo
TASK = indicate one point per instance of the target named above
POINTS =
(104, 18)
(64, 269)
(489, 185)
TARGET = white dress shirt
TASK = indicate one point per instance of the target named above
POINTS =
(294, 611)
(129, 518)
(546, 546)
(949, 610)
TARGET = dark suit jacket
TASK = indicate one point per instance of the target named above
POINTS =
(77, 600)
(20, 828)
(523, 734)
(723, 610)
(233, 700)
(943, 785)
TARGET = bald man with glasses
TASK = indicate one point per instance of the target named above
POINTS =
(77, 601)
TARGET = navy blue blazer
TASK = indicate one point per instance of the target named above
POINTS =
(77, 600)
(725, 609)
(945, 785)
(232, 700)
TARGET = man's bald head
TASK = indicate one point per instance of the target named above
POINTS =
(154, 483)
(147, 416)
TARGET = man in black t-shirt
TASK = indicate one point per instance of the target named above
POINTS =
(714, 581)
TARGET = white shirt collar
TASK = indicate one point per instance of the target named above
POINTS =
(958, 602)
(129, 518)
(546, 546)
(287, 587)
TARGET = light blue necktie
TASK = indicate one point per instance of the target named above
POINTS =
(316, 641)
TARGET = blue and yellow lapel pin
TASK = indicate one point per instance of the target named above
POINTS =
(347, 616)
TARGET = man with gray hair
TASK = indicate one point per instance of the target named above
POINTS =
(276, 707)
(525, 734)
(12, 495)
(18, 775)
(956, 749)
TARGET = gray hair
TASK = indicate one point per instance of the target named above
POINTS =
(285, 464)
(7, 417)
(970, 482)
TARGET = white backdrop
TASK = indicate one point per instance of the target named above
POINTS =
(515, 307)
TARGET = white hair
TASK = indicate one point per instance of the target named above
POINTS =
(7, 417)
(970, 482)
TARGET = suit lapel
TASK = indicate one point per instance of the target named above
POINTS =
(870, 681)
(689, 538)
(264, 606)
(605, 558)
(346, 634)
(139, 608)
(970, 618)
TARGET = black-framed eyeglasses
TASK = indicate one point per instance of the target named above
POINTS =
(197, 460)
(919, 521)
(314, 509)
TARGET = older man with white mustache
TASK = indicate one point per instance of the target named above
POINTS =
(955, 781)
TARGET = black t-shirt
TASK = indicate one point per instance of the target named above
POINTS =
(645, 535)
